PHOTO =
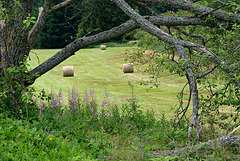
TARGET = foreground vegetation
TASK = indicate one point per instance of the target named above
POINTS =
(86, 129)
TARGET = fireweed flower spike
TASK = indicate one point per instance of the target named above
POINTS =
(103, 104)
(60, 95)
(91, 93)
(91, 109)
(2, 59)
(41, 108)
(221, 140)
(45, 131)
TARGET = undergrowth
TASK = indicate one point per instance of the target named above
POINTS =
(89, 130)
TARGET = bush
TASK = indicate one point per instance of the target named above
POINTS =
(16, 99)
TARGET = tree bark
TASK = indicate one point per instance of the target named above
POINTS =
(16, 48)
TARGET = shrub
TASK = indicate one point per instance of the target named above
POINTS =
(15, 98)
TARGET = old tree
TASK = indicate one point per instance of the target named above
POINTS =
(203, 34)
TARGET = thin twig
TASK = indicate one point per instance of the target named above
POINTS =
(208, 72)
(89, 33)
(36, 56)
(204, 14)
(144, 7)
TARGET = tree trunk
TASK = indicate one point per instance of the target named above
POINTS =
(15, 48)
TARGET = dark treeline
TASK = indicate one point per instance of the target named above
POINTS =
(81, 18)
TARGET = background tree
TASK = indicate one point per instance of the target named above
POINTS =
(60, 27)
(100, 14)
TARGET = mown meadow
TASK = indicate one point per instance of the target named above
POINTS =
(101, 70)
(99, 114)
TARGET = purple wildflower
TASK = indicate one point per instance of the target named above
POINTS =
(2, 65)
(91, 93)
(41, 108)
(3, 59)
(221, 140)
(60, 95)
(106, 95)
(91, 109)
(95, 114)
(108, 113)
(45, 131)
(103, 104)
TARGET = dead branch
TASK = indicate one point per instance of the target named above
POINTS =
(60, 5)
(225, 141)
(208, 72)
(145, 8)
(205, 14)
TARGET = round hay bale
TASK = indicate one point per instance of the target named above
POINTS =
(128, 68)
(103, 47)
(68, 71)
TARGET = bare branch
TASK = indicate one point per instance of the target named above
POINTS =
(185, 109)
(225, 141)
(191, 35)
(91, 32)
(195, 8)
(145, 8)
(208, 72)
(60, 5)
(43, 13)
(205, 14)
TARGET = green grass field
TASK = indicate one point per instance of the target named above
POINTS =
(101, 71)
